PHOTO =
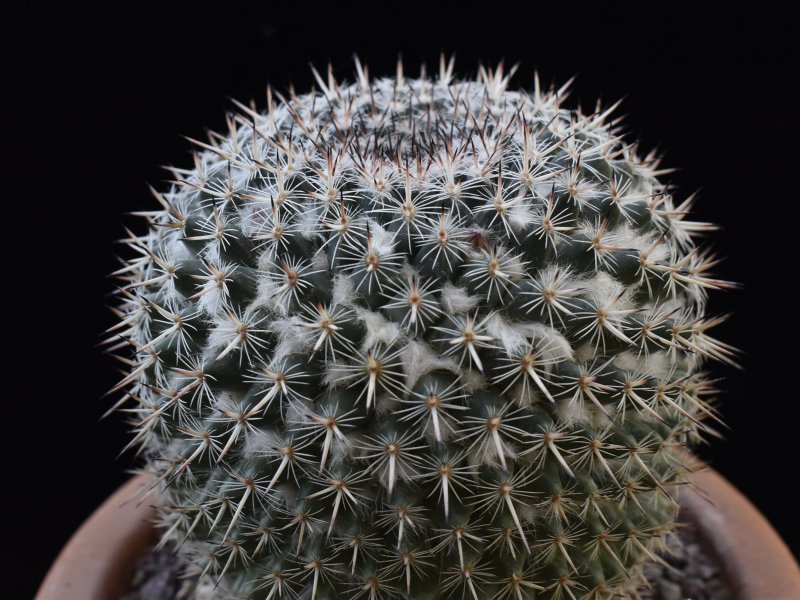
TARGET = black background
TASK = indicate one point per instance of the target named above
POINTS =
(101, 97)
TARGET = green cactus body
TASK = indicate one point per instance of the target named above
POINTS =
(417, 338)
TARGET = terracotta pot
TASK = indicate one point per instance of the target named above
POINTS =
(753, 557)
(98, 562)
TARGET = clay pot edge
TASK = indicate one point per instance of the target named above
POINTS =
(98, 561)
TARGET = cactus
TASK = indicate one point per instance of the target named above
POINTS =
(417, 338)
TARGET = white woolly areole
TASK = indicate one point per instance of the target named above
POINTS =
(512, 336)
(456, 300)
(343, 290)
(292, 337)
(655, 364)
(419, 359)
(605, 290)
(379, 329)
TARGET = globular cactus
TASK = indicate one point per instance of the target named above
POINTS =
(418, 338)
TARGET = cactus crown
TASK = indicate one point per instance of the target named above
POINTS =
(417, 338)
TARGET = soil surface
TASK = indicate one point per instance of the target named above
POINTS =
(158, 577)
(690, 573)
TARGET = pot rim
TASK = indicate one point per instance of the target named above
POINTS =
(755, 561)
(98, 561)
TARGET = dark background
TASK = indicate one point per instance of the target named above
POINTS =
(101, 96)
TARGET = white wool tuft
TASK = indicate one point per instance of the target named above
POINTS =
(379, 329)
(308, 223)
(625, 237)
(519, 217)
(212, 303)
(656, 364)
(513, 264)
(659, 254)
(604, 289)
(264, 261)
(174, 300)
(224, 401)
(419, 359)
(252, 216)
(486, 454)
(266, 293)
(553, 345)
(508, 335)
(456, 300)
(344, 293)
(319, 262)
(407, 271)
(523, 395)
(178, 251)
(340, 452)
(381, 239)
(260, 443)
(585, 352)
(514, 335)
(297, 412)
(292, 337)
(219, 337)
(580, 414)
(472, 381)
(668, 305)
(528, 511)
